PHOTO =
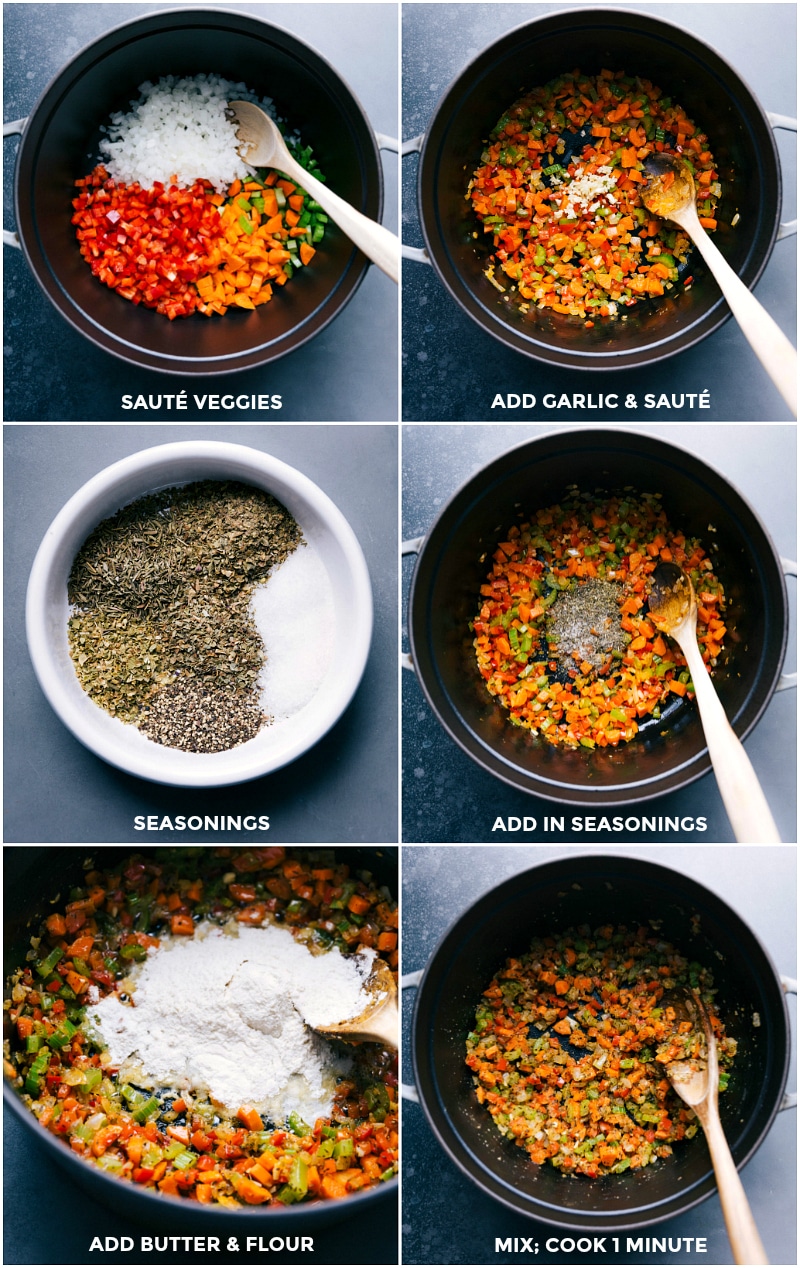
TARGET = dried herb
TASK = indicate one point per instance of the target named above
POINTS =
(584, 625)
(161, 599)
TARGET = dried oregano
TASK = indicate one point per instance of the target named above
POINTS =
(161, 621)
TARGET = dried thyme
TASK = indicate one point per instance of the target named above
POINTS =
(160, 596)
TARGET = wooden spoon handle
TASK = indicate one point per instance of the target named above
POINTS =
(769, 343)
(378, 244)
(744, 1237)
(381, 1027)
(741, 792)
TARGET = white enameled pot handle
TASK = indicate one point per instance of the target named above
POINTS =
(419, 254)
(15, 128)
(789, 567)
(411, 547)
(790, 125)
(407, 981)
(789, 985)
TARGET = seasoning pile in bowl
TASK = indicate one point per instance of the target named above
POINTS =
(175, 220)
(161, 1026)
(183, 615)
(559, 188)
(571, 1044)
(562, 635)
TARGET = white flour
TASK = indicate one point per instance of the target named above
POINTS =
(228, 1013)
(294, 614)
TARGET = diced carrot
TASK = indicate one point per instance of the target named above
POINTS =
(24, 1027)
(77, 982)
(251, 1118)
(358, 905)
(252, 1193)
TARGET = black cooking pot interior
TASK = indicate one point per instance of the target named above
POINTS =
(60, 143)
(453, 564)
(33, 876)
(548, 900)
(686, 69)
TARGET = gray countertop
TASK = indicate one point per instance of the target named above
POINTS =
(56, 790)
(348, 372)
(452, 369)
(447, 797)
(446, 1219)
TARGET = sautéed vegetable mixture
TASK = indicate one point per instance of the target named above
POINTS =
(571, 1044)
(558, 190)
(562, 635)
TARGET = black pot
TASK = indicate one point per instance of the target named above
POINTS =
(683, 66)
(62, 133)
(451, 567)
(33, 877)
(549, 899)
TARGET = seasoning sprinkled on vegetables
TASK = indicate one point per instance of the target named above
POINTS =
(562, 635)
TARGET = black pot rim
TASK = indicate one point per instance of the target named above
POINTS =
(542, 786)
(609, 361)
(601, 1224)
(162, 362)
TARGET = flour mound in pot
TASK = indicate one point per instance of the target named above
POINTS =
(229, 1012)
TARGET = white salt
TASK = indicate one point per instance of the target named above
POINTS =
(228, 1012)
(294, 614)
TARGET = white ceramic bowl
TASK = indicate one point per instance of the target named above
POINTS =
(47, 612)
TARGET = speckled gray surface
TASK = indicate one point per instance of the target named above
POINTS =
(446, 1219)
(446, 796)
(452, 369)
(349, 372)
(56, 790)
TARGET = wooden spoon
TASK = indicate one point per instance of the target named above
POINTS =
(261, 145)
(673, 610)
(378, 1023)
(697, 1084)
(669, 193)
